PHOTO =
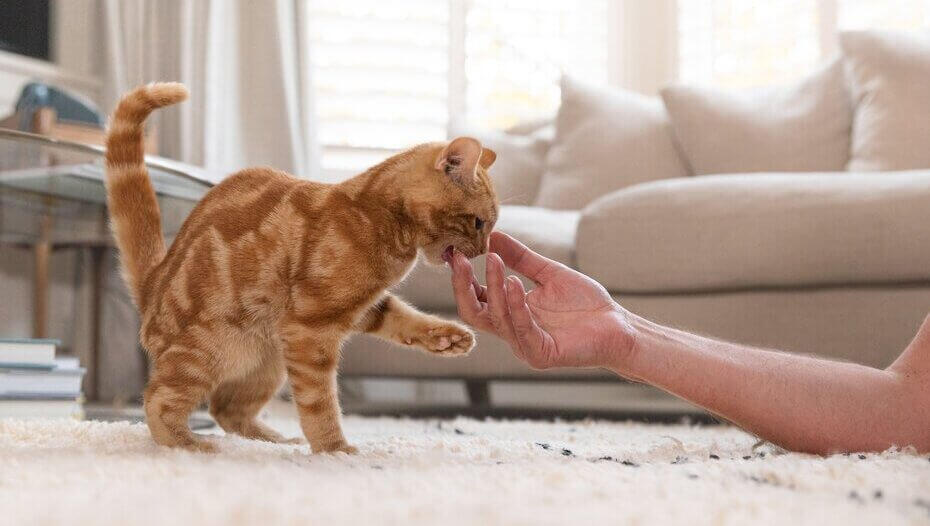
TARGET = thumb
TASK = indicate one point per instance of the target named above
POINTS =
(517, 256)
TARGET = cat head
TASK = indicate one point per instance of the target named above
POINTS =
(452, 199)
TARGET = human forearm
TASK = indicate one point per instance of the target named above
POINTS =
(799, 402)
(802, 403)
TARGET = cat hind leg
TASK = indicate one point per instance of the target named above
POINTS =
(179, 381)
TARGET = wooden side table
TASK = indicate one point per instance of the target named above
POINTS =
(52, 197)
(45, 122)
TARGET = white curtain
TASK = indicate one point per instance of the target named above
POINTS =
(246, 64)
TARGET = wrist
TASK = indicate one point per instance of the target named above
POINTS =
(629, 338)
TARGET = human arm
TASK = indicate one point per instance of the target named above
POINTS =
(801, 403)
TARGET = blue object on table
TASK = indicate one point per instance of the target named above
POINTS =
(68, 106)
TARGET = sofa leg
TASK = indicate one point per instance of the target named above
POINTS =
(479, 393)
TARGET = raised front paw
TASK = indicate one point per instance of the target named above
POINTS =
(445, 338)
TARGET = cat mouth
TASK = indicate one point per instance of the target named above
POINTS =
(447, 254)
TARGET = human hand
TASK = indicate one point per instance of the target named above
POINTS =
(567, 320)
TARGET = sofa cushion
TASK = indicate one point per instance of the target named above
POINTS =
(803, 127)
(549, 232)
(521, 160)
(759, 230)
(605, 139)
(889, 74)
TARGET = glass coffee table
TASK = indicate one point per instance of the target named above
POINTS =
(52, 197)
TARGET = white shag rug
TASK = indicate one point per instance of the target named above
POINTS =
(450, 472)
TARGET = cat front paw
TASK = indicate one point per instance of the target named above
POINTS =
(447, 339)
(338, 447)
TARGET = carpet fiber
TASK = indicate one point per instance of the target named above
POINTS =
(450, 472)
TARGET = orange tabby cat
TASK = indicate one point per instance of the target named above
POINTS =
(271, 273)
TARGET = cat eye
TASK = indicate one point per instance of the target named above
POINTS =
(479, 223)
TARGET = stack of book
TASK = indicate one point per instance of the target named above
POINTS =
(36, 384)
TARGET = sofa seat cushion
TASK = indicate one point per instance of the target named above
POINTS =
(549, 232)
(759, 230)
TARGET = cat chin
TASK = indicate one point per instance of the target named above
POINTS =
(447, 254)
(432, 258)
(438, 258)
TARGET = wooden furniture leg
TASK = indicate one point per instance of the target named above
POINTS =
(40, 282)
(479, 393)
(92, 384)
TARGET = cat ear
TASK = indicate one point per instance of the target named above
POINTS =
(459, 159)
(487, 158)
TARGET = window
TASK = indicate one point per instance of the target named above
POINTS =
(391, 74)
(883, 14)
(516, 51)
(739, 43)
(736, 43)
(379, 70)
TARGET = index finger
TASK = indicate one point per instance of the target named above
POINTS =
(520, 258)
(463, 278)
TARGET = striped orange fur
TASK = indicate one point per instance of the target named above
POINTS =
(270, 274)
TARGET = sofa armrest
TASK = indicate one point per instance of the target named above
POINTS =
(759, 230)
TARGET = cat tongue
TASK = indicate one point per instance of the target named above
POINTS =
(447, 254)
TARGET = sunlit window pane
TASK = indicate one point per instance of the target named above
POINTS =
(379, 70)
(883, 14)
(738, 43)
(516, 50)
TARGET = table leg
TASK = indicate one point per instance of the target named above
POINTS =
(41, 252)
(98, 261)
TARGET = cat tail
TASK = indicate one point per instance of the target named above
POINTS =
(134, 215)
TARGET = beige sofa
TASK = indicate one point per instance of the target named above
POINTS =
(801, 254)
(830, 264)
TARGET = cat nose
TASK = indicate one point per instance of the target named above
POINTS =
(485, 244)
